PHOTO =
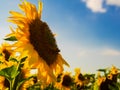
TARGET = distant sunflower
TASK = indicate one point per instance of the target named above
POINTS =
(5, 53)
(79, 78)
(65, 82)
(35, 37)
(114, 70)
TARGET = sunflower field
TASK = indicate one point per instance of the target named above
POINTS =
(30, 58)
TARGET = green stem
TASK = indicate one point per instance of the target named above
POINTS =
(14, 81)
(11, 85)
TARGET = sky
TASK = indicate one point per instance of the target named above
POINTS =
(87, 31)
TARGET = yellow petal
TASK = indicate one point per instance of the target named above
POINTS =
(40, 7)
(16, 14)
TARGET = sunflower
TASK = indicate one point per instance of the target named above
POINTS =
(5, 53)
(36, 39)
(114, 70)
(65, 82)
(79, 79)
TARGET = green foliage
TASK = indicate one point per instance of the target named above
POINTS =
(9, 73)
(13, 74)
(89, 82)
(12, 38)
(36, 86)
(104, 71)
(51, 87)
(13, 59)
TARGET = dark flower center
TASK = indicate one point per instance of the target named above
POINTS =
(43, 41)
(81, 77)
(6, 83)
(67, 80)
(7, 54)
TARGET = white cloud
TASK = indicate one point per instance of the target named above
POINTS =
(111, 52)
(113, 2)
(95, 5)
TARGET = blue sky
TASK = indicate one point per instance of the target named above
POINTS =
(88, 31)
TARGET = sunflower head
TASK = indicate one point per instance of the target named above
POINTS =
(66, 80)
(114, 70)
(6, 51)
(78, 75)
(81, 77)
(35, 38)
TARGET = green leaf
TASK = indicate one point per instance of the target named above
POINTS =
(89, 75)
(36, 86)
(9, 72)
(23, 59)
(51, 87)
(13, 59)
(102, 70)
(23, 80)
(1, 54)
(12, 38)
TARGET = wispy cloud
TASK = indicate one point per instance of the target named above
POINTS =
(111, 52)
(98, 5)
(92, 58)
(99, 52)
